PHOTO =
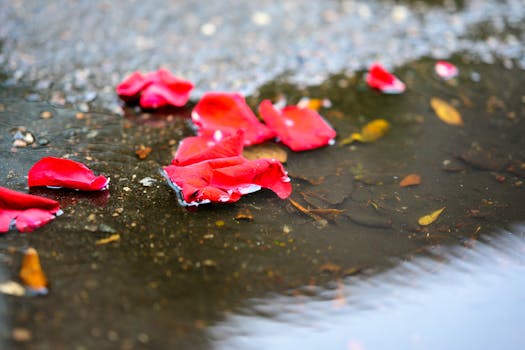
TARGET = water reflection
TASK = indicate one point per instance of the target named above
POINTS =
(462, 298)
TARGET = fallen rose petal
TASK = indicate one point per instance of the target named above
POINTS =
(226, 179)
(446, 70)
(130, 87)
(298, 128)
(379, 78)
(60, 172)
(24, 211)
(228, 112)
(160, 94)
(199, 148)
(155, 89)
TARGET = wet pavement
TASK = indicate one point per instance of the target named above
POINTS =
(176, 278)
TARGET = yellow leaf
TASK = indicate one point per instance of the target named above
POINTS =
(112, 238)
(430, 218)
(372, 131)
(446, 112)
(31, 272)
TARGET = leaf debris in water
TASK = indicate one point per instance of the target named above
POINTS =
(410, 180)
(371, 132)
(31, 272)
(430, 218)
(446, 112)
(112, 238)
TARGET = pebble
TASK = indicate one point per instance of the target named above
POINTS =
(147, 181)
(21, 334)
(46, 114)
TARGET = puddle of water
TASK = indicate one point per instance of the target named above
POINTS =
(463, 298)
(174, 273)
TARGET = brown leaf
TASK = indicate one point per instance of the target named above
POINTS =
(143, 152)
(328, 213)
(31, 272)
(330, 268)
(446, 112)
(410, 180)
(244, 214)
(268, 150)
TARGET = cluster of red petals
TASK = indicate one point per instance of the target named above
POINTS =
(66, 173)
(227, 179)
(299, 128)
(226, 113)
(446, 70)
(379, 78)
(155, 89)
(200, 148)
(26, 211)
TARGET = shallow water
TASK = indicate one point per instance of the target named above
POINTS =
(461, 298)
(189, 279)
(176, 274)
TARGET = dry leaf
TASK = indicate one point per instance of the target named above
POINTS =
(318, 219)
(410, 180)
(430, 218)
(269, 150)
(244, 214)
(143, 152)
(330, 268)
(446, 112)
(372, 131)
(31, 272)
(112, 238)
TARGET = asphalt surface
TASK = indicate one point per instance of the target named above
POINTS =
(89, 46)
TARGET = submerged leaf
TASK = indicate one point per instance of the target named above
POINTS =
(31, 272)
(446, 112)
(430, 218)
(410, 180)
(112, 238)
(372, 131)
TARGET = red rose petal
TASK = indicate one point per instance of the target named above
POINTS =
(30, 219)
(379, 78)
(59, 172)
(228, 112)
(131, 86)
(27, 211)
(227, 179)
(156, 89)
(199, 148)
(298, 128)
(446, 70)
